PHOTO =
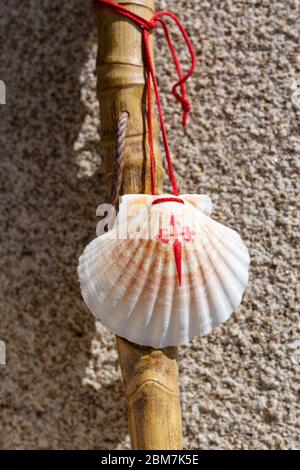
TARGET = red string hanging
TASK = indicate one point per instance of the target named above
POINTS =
(146, 27)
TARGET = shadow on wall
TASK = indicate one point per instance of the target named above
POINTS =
(49, 216)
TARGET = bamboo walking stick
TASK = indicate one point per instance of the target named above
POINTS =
(150, 375)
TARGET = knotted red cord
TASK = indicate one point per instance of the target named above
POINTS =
(147, 26)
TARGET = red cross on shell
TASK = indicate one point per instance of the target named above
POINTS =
(165, 235)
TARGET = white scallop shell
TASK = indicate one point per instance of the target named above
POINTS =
(129, 278)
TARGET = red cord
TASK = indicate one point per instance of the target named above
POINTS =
(146, 27)
(159, 200)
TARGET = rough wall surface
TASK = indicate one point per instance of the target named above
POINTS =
(61, 386)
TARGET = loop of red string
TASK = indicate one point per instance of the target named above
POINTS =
(146, 27)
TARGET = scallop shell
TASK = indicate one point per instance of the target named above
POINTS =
(131, 279)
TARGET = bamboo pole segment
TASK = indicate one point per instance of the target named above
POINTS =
(150, 375)
(121, 87)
